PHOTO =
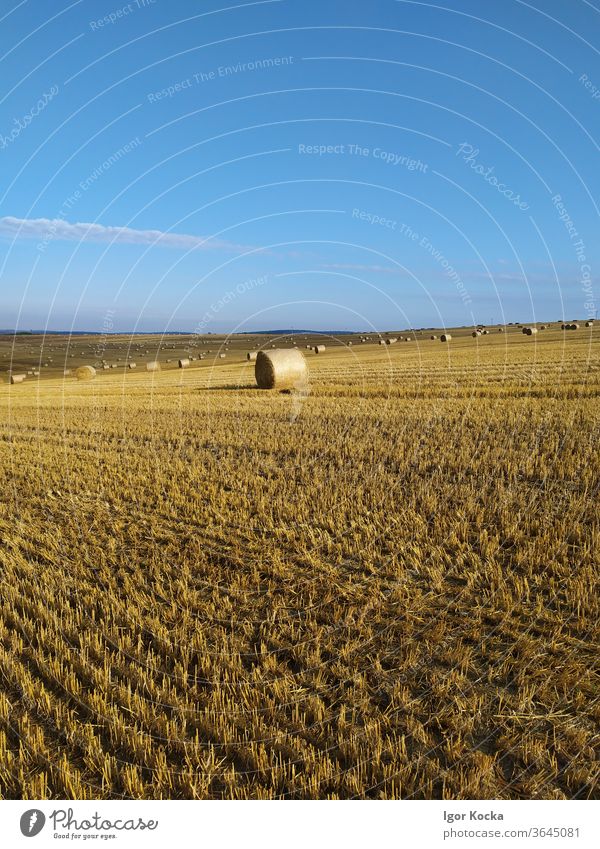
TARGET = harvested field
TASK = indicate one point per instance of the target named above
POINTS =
(384, 589)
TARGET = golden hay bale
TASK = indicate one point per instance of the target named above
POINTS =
(154, 365)
(132, 365)
(563, 327)
(85, 373)
(281, 369)
(476, 333)
(531, 331)
(589, 324)
(391, 340)
(445, 337)
(17, 378)
(184, 362)
(573, 327)
(319, 349)
(500, 330)
(381, 342)
(542, 326)
(434, 338)
(251, 355)
(486, 332)
(221, 356)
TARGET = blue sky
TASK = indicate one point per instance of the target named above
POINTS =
(185, 166)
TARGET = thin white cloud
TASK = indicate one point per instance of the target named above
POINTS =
(46, 230)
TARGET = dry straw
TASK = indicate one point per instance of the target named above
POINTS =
(319, 349)
(17, 378)
(85, 373)
(183, 363)
(530, 331)
(391, 340)
(433, 338)
(281, 369)
(445, 337)
(154, 365)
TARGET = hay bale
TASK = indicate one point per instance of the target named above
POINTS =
(476, 333)
(391, 340)
(563, 327)
(445, 337)
(319, 349)
(281, 369)
(589, 324)
(85, 373)
(222, 356)
(531, 331)
(251, 355)
(486, 332)
(573, 327)
(381, 342)
(132, 365)
(500, 330)
(183, 363)
(17, 378)
(153, 365)
(433, 338)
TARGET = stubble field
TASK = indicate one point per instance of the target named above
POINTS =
(385, 588)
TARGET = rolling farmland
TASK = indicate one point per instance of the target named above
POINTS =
(384, 587)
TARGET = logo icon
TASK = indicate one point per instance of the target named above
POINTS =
(32, 822)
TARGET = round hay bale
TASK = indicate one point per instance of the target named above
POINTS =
(445, 337)
(589, 324)
(391, 340)
(563, 327)
(531, 331)
(222, 356)
(475, 334)
(251, 355)
(183, 363)
(381, 342)
(319, 349)
(281, 369)
(524, 331)
(573, 327)
(433, 338)
(85, 373)
(17, 378)
(154, 365)
(132, 365)
(486, 332)
(500, 330)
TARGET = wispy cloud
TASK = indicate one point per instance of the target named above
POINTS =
(46, 230)
(379, 269)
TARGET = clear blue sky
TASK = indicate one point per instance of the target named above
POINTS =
(203, 166)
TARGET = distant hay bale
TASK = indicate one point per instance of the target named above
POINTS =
(132, 365)
(563, 327)
(433, 338)
(308, 347)
(319, 349)
(573, 327)
(486, 332)
(589, 324)
(524, 330)
(184, 362)
(476, 333)
(153, 365)
(251, 355)
(85, 373)
(542, 326)
(500, 330)
(17, 378)
(445, 337)
(381, 342)
(222, 356)
(391, 340)
(281, 369)
(531, 331)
